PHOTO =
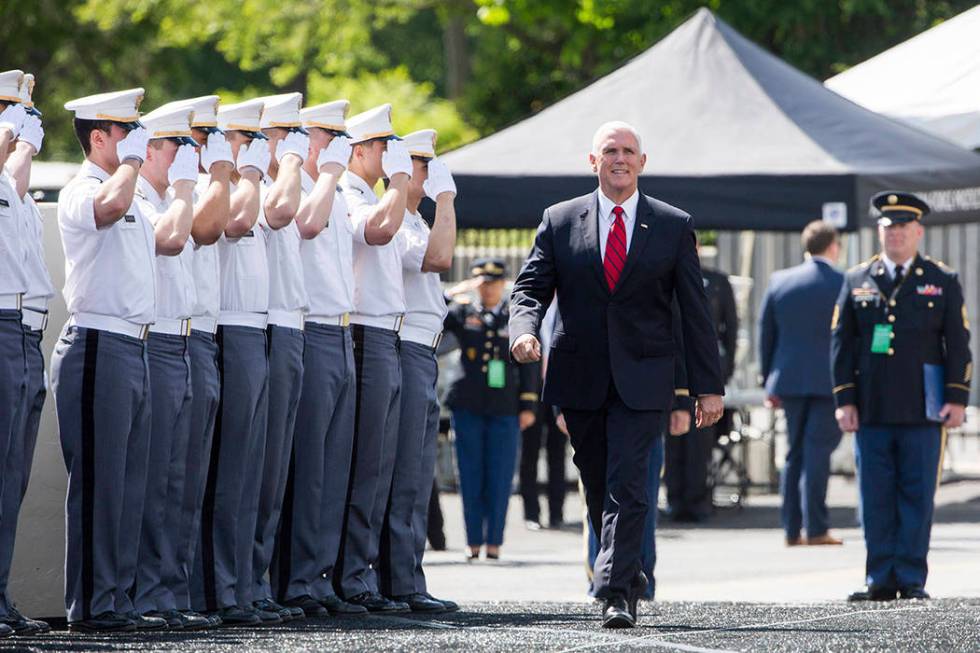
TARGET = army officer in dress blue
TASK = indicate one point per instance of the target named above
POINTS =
(901, 366)
(492, 402)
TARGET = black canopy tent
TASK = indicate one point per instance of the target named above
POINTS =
(734, 135)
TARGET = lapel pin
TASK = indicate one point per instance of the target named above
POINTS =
(643, 224)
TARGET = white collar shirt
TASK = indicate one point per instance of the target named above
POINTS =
(607, 217)
(109, 271)
(13, 275)
(244, 274)
(206, 269)
(287, 290)
(40, 289)
(890, 265)
(328, 261)
(424, 299)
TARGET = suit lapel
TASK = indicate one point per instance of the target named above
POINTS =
(641, 233)
(589, 228)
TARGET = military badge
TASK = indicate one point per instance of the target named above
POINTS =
(929, 290)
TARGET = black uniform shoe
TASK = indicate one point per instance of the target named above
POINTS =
(308, 605)
(420, 603)
(22, 625)
(268, 605)
(171, 617)
(616, 614)
(266, 617)
(213, 618)
(5, 631)
(236, 616)
(339, 607)
(145, 622)
(451, 606)
(871, 593)
(374, 602)
(913, 593)
(106, 622)
(192, 620)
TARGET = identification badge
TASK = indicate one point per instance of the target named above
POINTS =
(881, 339)
(496, 377)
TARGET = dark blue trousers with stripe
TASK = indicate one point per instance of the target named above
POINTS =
(101, 384)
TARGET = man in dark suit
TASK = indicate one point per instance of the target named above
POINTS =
(615, 258)
(795, 351)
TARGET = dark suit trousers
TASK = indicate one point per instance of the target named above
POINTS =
(544, 428)
(686, 471)
(813, 436)
(612, 448)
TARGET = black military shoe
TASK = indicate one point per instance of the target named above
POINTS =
(192, 620)
(374, 602)
(339, 607)
(420, 603)
(106, 622)
(266, 617)
(144, 622)
(236, 616)
(871, 593)
(268, 605)
(172, 617)
(451, 606)
(308, 605)
(22, 625)
(913, 593)
(616, 614)
(213, 618)
(5, 630)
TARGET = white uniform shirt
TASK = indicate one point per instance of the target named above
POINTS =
(328, 265)
(423, 292)
(175, 282)
(206, 269)
(607, 217)
(287, 291)
(109, 271)
(244, 271)
(13, 276)
(378, 289)
(39, 287)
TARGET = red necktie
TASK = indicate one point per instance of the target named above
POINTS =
(615, 257)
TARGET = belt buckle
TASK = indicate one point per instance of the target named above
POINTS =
(44, 321)
(398, 322)
(185, 327)
(144, 332)
(437, 340)
(345, 320)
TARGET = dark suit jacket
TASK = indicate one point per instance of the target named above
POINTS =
(721, 300)
(624, 337)
(794, 330)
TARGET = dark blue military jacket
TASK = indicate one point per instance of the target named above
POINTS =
(928, 326)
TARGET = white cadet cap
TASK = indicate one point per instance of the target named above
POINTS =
(26, 95)
(172, 120)
(119, 106)
(421, 143)
(10, 85)
(243, 117)
(371, 124)
(205, 110)
(281, 111)
(330, 116)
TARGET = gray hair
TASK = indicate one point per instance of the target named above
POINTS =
(614, 125)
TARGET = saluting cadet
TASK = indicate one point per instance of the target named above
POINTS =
(212, 206)
(424, 255)
(492, 402)
(34, 311)
(288, 304)
(316, 490)
(99, 369)
(165, 195)
(239, 433)
(902, 371)
(379, 305)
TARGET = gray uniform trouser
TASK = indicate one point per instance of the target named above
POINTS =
(285, 384)
(316, 490)
(223, 562)
(206, 388)
(399, 562)
(372, 457)
(20, 453)
(170, 398)
(101, 385)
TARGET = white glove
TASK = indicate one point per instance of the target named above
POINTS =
(255, 155)
(133, 146)
(184, 167)
(216, 149)
(13, 118)
(440, 180)
(396, 159)
(338, 151)
(32, 133)
(294, 143)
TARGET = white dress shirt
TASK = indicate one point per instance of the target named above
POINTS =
(424, 298)
(607, 217)
(378, 289)
(288, 301)
(109, 271)
(176, 293)
(13, 277)
(244, 276)
(890, 265)
(328, 261)
(39, 287)
(206, 268)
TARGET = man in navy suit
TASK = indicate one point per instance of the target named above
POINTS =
(795, 351)
(615, 258)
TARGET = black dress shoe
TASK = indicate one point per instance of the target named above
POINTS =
(419, 602)
(22, 625)
(268, 605)
(374, 602)
(106, 622)
(171, 617)
(341, 608)
(236, 616)
(213, 618)
(451, 606)
(145, 622)
(5, 630)
(871, 593)
(192, 620)
(913, 593)
(616, 614)
(310, 606)
(266, 617)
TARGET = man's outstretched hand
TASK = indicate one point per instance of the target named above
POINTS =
(526, 349)
(708, 411)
